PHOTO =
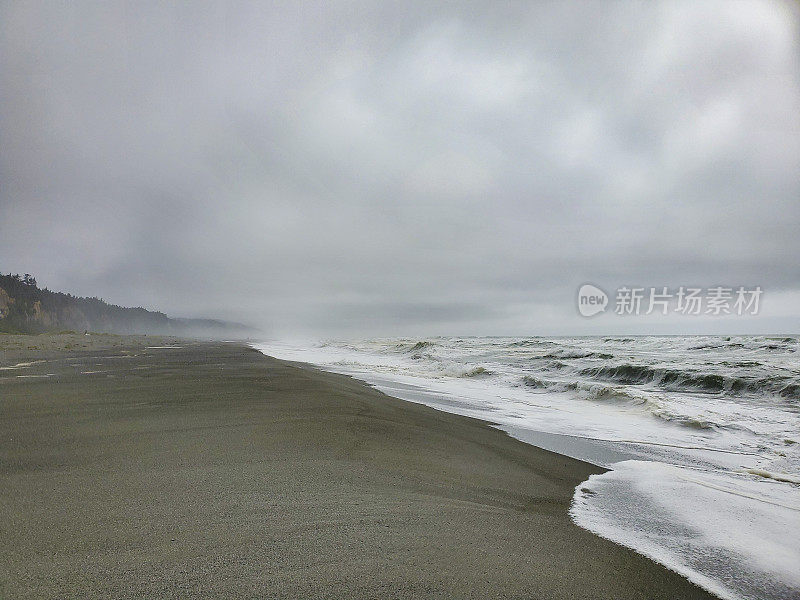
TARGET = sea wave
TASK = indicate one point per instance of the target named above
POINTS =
(413, 346)
(598, 392)
(691, 380)
(569, 353)
(476, 372)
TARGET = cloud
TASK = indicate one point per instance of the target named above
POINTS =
(460, 168)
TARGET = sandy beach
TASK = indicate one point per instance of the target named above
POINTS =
(144, 467)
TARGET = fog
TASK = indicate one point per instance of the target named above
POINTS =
(380, 169)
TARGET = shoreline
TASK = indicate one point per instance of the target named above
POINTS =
(212, 470)
(698, 485)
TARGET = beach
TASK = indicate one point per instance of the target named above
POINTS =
(139, 466)
(699, 434)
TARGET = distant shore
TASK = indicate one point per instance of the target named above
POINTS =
(135, 466)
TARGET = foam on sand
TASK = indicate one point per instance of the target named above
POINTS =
(728, 536)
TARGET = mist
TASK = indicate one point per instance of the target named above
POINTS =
(372, 169)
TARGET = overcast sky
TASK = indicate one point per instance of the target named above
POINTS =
(342, 168)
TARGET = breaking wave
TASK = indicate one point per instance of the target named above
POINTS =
(413, 347)
(690, 380)
(568, 353)
(476, 372)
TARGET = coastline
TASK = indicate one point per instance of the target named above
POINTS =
(131, 467)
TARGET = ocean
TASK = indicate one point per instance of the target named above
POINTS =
(701, 434)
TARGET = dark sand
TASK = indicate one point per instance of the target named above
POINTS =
(211, 471)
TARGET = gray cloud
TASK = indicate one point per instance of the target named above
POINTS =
(353, 167)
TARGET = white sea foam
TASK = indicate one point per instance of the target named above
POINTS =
(732, 535)
(711, 424)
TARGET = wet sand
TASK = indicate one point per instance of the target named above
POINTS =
(208, 470)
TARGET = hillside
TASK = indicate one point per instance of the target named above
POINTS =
(26, 308)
